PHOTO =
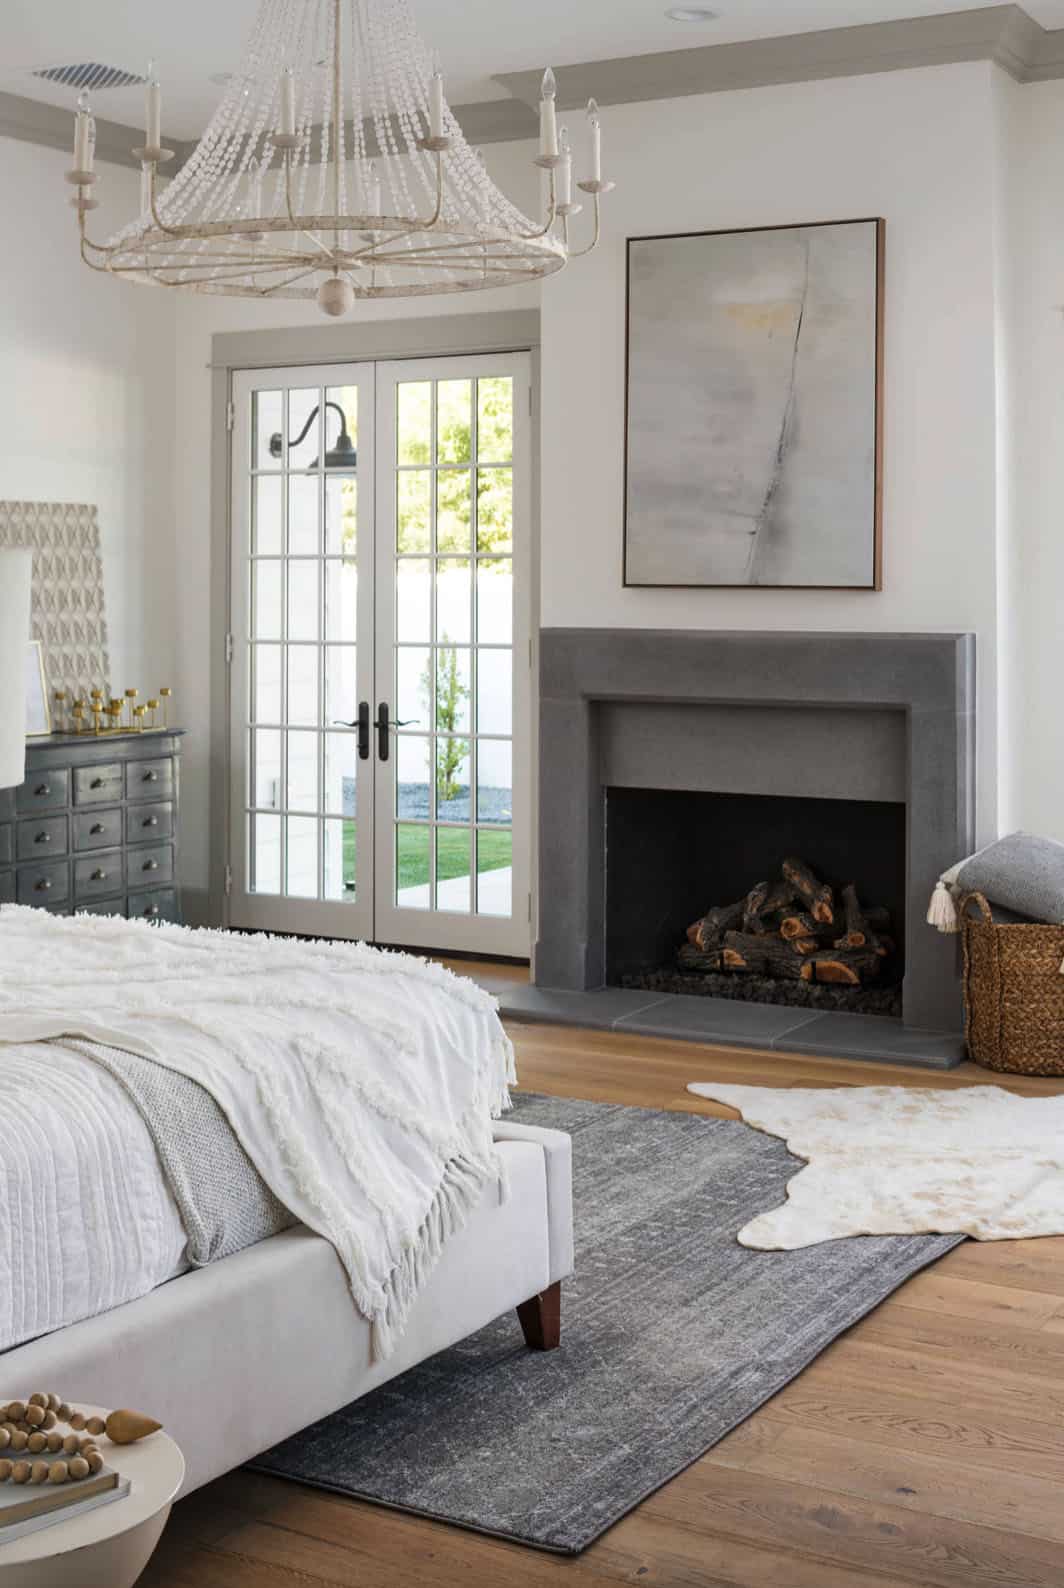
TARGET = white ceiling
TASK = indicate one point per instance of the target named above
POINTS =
(475, 39)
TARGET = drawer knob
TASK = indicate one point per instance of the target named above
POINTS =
(153, 909)
(95, 829)
(150, 865)
(150, 821)
(43, 885)
(151, 777)
(43, 838)
(43, 790)
(99, 876)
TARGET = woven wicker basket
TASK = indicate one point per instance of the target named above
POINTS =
(1013, 992)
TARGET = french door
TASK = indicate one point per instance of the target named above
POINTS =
(379, 643)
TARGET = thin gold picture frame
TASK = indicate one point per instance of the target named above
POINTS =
(37, 706)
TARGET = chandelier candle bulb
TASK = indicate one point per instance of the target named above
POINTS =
(436, 105)
(548, 122)
(83, 149)
(153, 111)
(595, 126)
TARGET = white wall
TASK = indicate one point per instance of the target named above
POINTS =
(914, 147)
(86, 396)
(1038, 252)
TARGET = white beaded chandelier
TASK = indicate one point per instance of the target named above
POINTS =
(334, 169)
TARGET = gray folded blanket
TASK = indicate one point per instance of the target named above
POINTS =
(224, 1203)
(1021, 876)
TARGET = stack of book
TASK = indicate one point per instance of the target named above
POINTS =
(26, 1507)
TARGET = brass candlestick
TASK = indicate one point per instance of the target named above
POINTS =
(166, 694)
(60, 724)
(131, 695)
(153, 707)
(97, 712)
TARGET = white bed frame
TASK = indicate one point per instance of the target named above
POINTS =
(237, 1356)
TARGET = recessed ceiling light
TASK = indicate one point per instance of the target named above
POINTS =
(691, 14)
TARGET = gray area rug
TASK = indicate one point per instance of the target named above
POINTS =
(672, 1333)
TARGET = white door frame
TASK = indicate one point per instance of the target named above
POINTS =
(433, 928)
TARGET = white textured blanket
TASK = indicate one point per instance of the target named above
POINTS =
(896, 1160)
(361, 1084)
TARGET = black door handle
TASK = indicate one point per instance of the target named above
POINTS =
(382, 725)
(362, 723)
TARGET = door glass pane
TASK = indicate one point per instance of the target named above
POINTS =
(266, 600)
(413, 600)
(341, 765)
(304, 408)
(495, 419)
(495, 859)
(413, 685)
(413, 512)
(454, 510)
(303, 661)
(266, 516)
(412, 794)
(454, 421)
(303, 515)
(495, 510)
(413, 855)
(454, 860)
(266, 760)
(341, 515)
(340, 861)
(453, 601)
(341, 600)
(495, 779)
(494, 691)
(265, 853)
(452, 689)
(266, 668)
(495, 601)
(303, 771)
(452, 779)
(414, 414)
(266, 429)
(302, 868)
(303, 600)
(341, 684)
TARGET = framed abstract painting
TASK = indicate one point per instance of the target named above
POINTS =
(753, 433)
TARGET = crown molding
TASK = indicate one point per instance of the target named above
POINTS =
(1004, 34)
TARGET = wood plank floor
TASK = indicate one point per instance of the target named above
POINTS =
(924, 1447)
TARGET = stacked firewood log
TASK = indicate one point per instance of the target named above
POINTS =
(794, 928)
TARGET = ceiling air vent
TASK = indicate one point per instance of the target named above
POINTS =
(89, 74)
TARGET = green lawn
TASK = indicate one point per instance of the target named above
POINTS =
(494, 850)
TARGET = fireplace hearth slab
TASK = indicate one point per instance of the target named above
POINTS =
(730, 1023)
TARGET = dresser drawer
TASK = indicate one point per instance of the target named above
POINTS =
(97, 829)
(41, 837)
(98, 876)
(7, 845)
(160, 906)
(44, 791)
(149, 823)
(150, 867)
(7, 804)
(150, 780)
(7, 887)
(46, 885)
(98, 785)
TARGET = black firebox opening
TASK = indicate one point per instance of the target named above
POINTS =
(672, 855)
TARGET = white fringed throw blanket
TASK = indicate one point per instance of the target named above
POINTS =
(897, 1160)
(361, 1084)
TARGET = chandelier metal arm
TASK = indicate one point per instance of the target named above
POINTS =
(579, 253)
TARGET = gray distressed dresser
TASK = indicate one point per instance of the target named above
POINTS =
(93, 829)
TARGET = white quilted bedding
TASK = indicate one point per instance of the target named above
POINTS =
(87, 1220)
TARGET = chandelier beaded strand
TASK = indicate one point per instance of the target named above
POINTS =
(334, 169)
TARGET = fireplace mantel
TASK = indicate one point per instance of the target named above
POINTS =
(904, 729)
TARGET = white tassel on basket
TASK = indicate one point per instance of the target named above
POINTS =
(942, 910)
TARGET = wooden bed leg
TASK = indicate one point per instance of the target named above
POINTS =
(541, 1319)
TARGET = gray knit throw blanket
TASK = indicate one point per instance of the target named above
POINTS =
(224, 1203)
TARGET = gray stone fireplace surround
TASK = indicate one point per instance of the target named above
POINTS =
(832, 716)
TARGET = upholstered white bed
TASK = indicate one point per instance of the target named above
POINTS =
(183, 1096)
(236, 1356)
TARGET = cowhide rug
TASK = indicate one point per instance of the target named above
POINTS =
(887, 1160)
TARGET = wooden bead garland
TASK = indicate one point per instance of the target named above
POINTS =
(29, 1426)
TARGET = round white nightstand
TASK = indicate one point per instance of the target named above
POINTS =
(108, 1547)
